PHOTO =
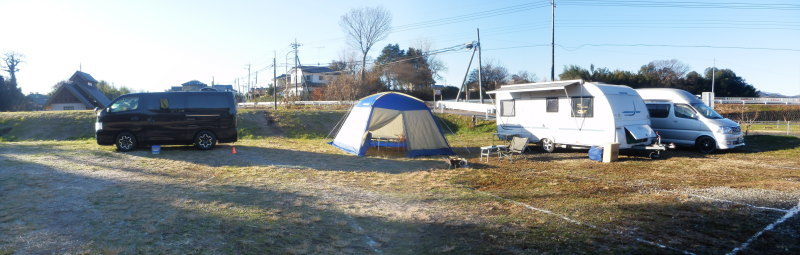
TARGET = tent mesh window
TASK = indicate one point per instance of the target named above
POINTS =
(507, 108)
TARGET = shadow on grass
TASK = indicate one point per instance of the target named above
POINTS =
(290, 158)
(86, 213)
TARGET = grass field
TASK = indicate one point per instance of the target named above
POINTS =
(287, 192)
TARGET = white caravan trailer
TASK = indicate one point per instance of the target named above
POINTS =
(683, 119)
(575, 113)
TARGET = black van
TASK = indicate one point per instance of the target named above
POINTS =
(199, 118)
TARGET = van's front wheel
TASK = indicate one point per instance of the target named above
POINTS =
(547, 145)
(705, 144)
(125, 141)
(205, 140)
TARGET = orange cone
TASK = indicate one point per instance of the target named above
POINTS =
(233, 151)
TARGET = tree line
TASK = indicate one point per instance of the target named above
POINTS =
(667, 74)
(413, 71)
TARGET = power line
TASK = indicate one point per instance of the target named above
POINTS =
(684, 4)
(674, 46)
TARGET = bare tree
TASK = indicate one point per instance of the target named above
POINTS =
(666, 72)
(434, 64)
(365, 27)
(10, 61)
(522, 77)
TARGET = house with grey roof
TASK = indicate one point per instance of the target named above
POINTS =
(304, 79)
(193, 85)
(78, 93)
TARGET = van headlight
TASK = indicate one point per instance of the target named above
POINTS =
(98, 126)
(727, 130)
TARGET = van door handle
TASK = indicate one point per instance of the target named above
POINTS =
(134, 118)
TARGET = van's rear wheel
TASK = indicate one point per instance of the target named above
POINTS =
(205, 140)
(547, 145)
(125, 141)
(705, 144)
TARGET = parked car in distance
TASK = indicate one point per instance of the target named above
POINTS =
(681, 118)
(199, 118)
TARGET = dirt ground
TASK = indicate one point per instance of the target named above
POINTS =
(301, 196)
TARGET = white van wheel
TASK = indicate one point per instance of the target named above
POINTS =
(547, 145)
(705, 144)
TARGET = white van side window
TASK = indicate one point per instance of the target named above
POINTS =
(658, 110)
(684, 111)
(507, 108)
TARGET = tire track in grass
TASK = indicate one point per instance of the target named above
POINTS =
(592, 226)
(791, 213)
(729, 201)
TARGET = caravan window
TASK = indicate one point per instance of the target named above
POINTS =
(582, 107)
(507, 108)
(552, 104)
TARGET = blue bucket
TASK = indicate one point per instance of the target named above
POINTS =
(596, 153)
(156, 149)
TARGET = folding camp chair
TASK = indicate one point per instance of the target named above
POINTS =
(517, 146)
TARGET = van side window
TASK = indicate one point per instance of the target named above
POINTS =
(684, 111)
(552, 104)
(166, 103)
(582, 107)
(658, 110)
(507, 108)
(207, 102)
(124, 104)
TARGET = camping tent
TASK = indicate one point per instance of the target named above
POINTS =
(392, 118)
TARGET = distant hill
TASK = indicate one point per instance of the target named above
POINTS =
(770, 94)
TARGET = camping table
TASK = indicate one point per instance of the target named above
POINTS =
(487, 151)
(505, 137)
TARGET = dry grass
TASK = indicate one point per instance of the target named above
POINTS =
(299, 196)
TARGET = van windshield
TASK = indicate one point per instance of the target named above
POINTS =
(706, 111)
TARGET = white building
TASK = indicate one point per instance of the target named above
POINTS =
(304, 79)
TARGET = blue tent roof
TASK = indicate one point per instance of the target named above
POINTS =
(393, 101)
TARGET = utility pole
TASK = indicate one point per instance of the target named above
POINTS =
(464, 86)
(295, 45)
(274, 81)
(246, 96)
(552, 40)
(713, 75)
(480, 80)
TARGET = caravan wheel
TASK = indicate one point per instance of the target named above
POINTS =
(547, 145)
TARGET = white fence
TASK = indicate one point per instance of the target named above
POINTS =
(466, 106)
(313, 103)
(756, 100)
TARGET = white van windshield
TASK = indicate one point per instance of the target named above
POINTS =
(706, 111)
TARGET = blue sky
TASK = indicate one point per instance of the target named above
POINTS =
(152, 45)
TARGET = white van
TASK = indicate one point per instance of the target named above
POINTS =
(574, 113)
(681, 118)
